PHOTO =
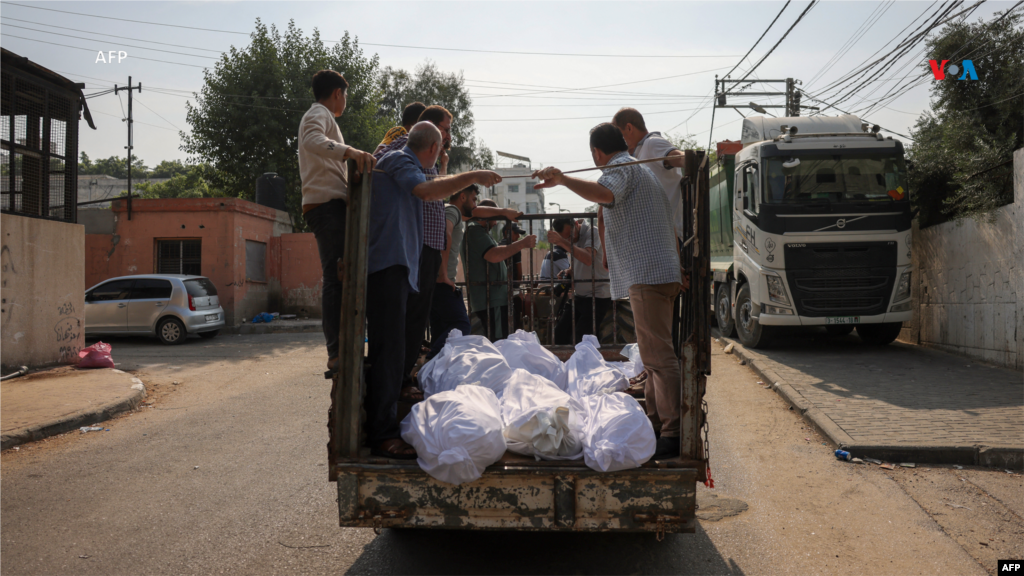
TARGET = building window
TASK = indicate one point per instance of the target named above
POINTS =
(531, 208)
(255, 261)
(179, 257)
(513, 188)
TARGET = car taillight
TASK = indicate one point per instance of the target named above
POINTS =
(191, 303)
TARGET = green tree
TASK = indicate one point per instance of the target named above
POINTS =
(197, 182)
(168, 169)
(115, 167)
(689, 143)
(962, 155)
(245, 120)
(432, 86)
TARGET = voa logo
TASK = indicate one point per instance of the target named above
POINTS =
(939, 70)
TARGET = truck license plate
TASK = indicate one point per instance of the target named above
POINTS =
(843, 320)
(212, 317)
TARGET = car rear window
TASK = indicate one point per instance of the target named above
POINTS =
(199, 287)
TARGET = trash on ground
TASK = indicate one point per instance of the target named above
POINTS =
(856, 461)
(908, 464)
(729, 348)
(524, 350)
(887, 466)
(617, 434)
(96, 356)
(743, 362)
(17, 448)
(540, 419)
(175, 382)
(262, 317)
(957, 506)
(288, 316)
(85, 429)
(873, 461)
(589, 372)
(843, 455)
(456, 433)
(465, 359)
(958, 467)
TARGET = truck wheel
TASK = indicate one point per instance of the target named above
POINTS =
(723, 311)
(749, 330)
(839, 330)
(879, 334)
(626, 333)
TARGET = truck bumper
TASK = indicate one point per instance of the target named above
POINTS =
(789, 320)
(528, 497)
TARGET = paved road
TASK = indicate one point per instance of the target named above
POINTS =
(901, 394)
(226, 475)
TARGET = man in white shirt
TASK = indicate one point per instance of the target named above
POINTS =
(644, 145)
(322, 167)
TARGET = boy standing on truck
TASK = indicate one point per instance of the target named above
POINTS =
(322, 156)
(643, 263)
(396, 231)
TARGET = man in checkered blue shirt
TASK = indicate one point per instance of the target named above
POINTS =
(643, 263)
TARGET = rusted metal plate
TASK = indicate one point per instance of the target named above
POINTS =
(639, 500)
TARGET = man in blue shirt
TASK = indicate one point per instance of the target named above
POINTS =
(395, 241)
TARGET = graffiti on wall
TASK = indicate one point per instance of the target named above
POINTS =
(68, 333)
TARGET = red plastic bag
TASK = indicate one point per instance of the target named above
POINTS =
(96, 356)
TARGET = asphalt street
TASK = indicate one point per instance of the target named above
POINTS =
(226, 473)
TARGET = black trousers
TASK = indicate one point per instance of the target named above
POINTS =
(584, 318)
(499, 327)
(387, 294)
(417, 311)
(328, 224)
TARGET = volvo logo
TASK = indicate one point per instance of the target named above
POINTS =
(841, 223)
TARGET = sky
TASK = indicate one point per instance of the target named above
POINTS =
(659, 57)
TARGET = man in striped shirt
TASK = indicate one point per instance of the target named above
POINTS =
(643, 264)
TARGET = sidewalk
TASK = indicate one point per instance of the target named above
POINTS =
(47, 403)
(898, 403)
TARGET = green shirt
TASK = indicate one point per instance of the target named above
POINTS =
(477, 241)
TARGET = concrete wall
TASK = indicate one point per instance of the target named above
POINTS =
(969, 284)
(42, 317)
(223, 225)
(301, 276)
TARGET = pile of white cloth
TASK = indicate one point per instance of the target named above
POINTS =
(484, 398)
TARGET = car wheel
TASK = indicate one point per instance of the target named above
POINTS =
(723, 312)
(171, 331)
(210, 334)
(838, 330)
(749, 330)
(879, 334)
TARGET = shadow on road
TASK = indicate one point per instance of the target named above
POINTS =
(899, 374)
(505, 552)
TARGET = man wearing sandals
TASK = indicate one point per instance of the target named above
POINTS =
(643, 263)
(400, 190)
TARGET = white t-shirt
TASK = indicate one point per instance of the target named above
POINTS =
(582, 272)
(655, 146)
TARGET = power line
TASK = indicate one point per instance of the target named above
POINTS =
(575, 118)
(110, 35)
(125, 45)
(854, 38)
(157, 113)
(786, 5)
(610, 85)
(548, 53)
(92, 50)
(763, 58)
(125, 19)
(134, 121)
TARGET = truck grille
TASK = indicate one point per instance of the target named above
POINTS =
(841, 279)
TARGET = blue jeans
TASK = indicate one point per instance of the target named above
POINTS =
(327, 221)
(447, 312)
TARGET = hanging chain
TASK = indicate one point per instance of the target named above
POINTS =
(378, 524)
(710, 483)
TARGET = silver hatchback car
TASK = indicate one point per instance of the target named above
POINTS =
(170, 306)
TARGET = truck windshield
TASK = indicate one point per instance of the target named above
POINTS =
(834, 178)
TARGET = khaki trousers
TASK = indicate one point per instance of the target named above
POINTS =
(652, 316)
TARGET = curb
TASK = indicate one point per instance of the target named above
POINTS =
(272, 328)
(1006, 457)
(76, 420)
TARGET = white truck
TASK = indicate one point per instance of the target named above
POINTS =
(810, 226)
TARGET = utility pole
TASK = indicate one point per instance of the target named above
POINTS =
(130, 145)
